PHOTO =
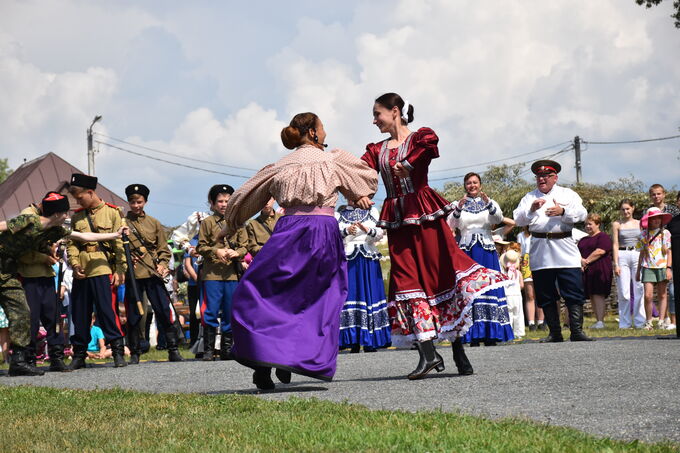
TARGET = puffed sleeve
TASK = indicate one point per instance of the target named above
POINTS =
(249, 199)
(355, 178)
(424, 148)
(371, 155)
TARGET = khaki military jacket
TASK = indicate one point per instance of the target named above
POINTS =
(24, 234)
(148, 243)
(32, 264)
(94, 260)
(213, 269)
(259, 231)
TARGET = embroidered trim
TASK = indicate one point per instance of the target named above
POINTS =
(415, 220)
(361, 250)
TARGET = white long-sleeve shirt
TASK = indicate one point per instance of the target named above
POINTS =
(474, 221)
(186, 231)
(360, 242)
(552, 253)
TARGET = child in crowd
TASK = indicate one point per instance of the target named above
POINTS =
(655, 262)
(510, 264)
(96, 349)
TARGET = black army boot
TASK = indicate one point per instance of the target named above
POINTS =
(262, 378)
(552, 319)
(57, 358)
(78, 359)
(462, 363)
(133, 343)
(19, 366)
(209, 333)
(226, 342)
(173, 345)
(576, 323)
(429, 360)
(29, 353)
(118, 352)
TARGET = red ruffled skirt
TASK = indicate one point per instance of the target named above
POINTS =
(432, 283)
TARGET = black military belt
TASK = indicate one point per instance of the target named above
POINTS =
(629, 248)
(566, 234)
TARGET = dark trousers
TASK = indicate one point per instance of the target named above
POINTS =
(98, 294)
(42, 301)
(570, 283)
(193, 293)
(158, 297)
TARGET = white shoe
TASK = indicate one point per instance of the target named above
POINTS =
(648, 325)
(661, 325)
(669, 326)
(598, 325)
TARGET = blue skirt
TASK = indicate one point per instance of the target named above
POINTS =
(364, 320)
(490, 317)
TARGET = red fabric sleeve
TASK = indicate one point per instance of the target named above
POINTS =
(371, 155)
(424, 146)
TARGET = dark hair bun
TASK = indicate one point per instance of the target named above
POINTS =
(290, 137)
(409, 114)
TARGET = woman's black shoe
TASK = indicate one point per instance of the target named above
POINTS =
(283, 376)
(262, 379)
(462, 363)
(429, 360)
(356, 348)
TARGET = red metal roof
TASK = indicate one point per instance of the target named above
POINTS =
(31, 181)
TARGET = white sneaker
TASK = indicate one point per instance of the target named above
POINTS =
(661, 325)
(598, 325)
(669, 326)
(648, 325)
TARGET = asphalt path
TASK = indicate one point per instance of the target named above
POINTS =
(620, 388)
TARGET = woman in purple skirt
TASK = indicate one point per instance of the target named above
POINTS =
(286, 309)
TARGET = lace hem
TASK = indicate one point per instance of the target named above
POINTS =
(443, 211)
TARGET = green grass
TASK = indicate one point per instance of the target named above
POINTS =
(45, 420)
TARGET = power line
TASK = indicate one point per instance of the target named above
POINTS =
(193, 159)
(563, 150)
(170, 162)
(632, 141)
(505, 158)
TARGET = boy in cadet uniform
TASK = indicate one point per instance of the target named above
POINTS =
(98, 269)
(260, 229)
(151, 256)
(220, 273)
(37, 278)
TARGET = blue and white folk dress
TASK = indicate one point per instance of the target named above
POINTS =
(363, 320)
(491, 320)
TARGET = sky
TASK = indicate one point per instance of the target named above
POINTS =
(210, 84)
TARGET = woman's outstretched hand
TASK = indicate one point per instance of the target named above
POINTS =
(364, 203)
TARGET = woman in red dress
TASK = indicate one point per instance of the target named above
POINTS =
(432, 282)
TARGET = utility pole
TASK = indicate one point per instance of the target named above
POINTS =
(90, 147)
(577, 155)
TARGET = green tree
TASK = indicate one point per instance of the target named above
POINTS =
(5, 171)
(676, 8)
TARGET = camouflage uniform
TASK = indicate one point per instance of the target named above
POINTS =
(24, 233)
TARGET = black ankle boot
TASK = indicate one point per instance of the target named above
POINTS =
(462, 363)
(283, 376)
(118, 352)
(133, 343)
(57, 358)
(226, 342)
(576, 323)
(209, 334)
(552, 319)
(173, 345)
(262, 378)
(429, 360)
(78, 358)
(19, 365)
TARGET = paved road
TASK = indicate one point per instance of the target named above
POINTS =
(621, 388)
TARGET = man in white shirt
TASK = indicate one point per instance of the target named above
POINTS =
(551, 211)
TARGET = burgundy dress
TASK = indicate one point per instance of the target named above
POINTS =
(597, 278)
(432, 281)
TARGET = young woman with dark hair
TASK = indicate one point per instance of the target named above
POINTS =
(432, 282)
(286, 311)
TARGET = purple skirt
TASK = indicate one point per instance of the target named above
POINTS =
(286, 309)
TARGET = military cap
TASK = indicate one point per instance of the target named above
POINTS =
(84, 181)
(218, 189)
(545, 166)
(53, 203)
(134, 189)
